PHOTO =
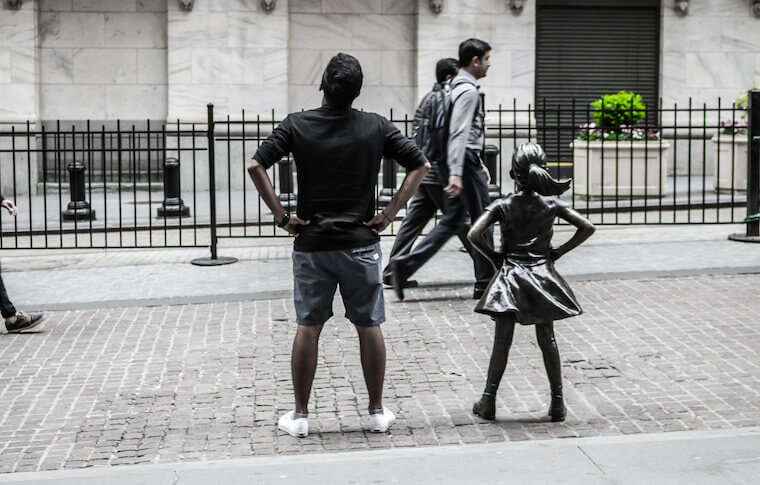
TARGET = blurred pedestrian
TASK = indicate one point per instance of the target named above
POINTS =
(15, 321)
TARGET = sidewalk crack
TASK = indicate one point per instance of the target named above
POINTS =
(592, 461)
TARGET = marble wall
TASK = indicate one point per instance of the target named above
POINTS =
(102, 59)
(380, 33)
(19, 71)
(713, 52)
(19, 74)
(511, 35)
(230, 53)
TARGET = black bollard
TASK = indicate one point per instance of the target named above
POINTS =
(389, 183)
(172, 206)
(491, 154)
(78, 208)
(287, 193)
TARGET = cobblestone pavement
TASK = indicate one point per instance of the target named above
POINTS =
(207, 381)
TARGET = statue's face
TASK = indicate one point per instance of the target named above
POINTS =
(436, 6)
(268, 5)
(186, 4)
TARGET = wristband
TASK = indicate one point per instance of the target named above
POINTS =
(284, 221)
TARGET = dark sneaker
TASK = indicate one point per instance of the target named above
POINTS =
(406, 284)
(24, 322)
(477, 293)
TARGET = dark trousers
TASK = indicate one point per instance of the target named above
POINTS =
(472, 200)
(8, 310)
(421, 208)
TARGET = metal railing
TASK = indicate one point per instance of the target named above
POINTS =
(106, 186)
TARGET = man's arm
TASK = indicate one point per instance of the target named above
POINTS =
(270, 151)
(263, 184)
(462, 114)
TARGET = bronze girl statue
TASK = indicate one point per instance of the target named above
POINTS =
(526, 288)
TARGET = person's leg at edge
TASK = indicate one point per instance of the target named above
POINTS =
(502, 341)
(553, 365)
(303, 364)
(372, 349)
(7, 308)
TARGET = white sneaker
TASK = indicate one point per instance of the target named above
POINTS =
(380, 422)
(298, 428)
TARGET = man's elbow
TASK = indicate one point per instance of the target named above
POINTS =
(425, 167)
(253, 166)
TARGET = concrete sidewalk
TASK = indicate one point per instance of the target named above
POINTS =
(693, 458)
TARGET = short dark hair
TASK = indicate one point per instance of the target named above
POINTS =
(445, 67)
(471, 48)
(342, 80)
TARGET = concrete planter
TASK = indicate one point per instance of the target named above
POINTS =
(621, 169)
(731, 173)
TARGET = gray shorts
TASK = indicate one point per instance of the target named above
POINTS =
(316, 274)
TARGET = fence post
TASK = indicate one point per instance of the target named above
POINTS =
(78, 209)
(213, 260)
(753, 172)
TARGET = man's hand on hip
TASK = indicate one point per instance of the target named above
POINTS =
(379, 223)
(454, 187)
(294, 225)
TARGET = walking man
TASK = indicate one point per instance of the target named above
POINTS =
(15, 321)
(464, 172)
(429, 197)
(337, 151)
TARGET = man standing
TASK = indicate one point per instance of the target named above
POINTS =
(429, 197)
(337, 151)
(15, 321)
(465, 175)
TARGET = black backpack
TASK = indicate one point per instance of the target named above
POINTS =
(432, 134)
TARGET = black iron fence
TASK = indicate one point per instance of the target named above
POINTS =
(186, 184)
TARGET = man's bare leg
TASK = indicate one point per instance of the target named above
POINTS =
(303, 364)
(372, 347)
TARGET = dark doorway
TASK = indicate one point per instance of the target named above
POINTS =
(587, 48)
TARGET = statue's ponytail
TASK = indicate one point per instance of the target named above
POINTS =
(541, 181)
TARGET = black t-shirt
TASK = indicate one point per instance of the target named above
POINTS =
(337, 155)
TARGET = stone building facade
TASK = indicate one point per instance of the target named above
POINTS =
(136, 60)
(151, 59)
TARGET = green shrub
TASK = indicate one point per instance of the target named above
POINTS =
(613, 111)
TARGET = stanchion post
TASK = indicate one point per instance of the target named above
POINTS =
(213, 260)
(389, 183)
(173, 205)
(78, 208)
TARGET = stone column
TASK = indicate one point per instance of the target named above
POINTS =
(19, 74)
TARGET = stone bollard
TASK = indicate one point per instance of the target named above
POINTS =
(389, 183)
(491, 155)
(172, 205)
(78, 208)
(287, 195)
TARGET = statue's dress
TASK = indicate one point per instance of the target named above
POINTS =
(527, 284)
